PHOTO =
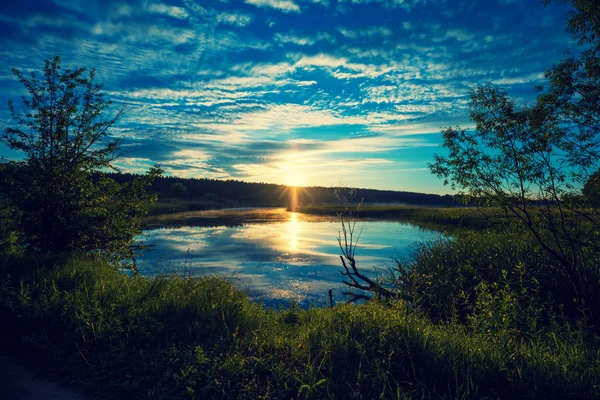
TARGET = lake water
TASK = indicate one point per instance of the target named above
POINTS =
(274, 255)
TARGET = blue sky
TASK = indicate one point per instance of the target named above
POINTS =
(306, 92)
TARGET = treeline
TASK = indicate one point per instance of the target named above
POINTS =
(268, 194)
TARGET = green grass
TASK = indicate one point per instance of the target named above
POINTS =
(134, 337)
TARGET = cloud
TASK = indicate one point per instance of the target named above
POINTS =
(235, 89)
(532, 78)
(368, 32)
(172, 11)
(404, 4)
(282, 5)
(239, 20)
(297, 40)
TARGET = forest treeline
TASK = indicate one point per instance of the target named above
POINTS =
(268, 194)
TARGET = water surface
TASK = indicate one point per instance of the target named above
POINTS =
(277, 256)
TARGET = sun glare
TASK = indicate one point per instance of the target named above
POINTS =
(293, 178)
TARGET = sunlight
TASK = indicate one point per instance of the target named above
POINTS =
(293, 192)
(293, 178)
(293, 231)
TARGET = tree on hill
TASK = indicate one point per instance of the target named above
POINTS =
(60, 190)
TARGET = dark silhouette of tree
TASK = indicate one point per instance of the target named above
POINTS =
(591, 189)
(60, 189)
(268, 194)
(178, 190)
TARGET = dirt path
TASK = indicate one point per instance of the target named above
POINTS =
(20, 383)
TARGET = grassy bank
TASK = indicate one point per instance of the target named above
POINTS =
(175, 338)
(448, 217)
(467, 217)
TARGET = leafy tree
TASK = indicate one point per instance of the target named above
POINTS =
(591, 189)
(583, 20)
(60, 189)
(533, 161)
(178, 190)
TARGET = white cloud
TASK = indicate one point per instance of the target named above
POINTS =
(324, 3)
(459, 34)
(240, 20)
(173, 11)
(138, 33)
(521, 79)
(340, 66)
(122, 10)
(290, 38)
(405, 4)
(368, 32)
(282, 5)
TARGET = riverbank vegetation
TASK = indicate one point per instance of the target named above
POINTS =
(131, 337)
(444, 218)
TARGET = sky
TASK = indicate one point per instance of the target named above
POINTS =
(297, 92)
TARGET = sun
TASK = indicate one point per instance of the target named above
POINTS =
(293, 178)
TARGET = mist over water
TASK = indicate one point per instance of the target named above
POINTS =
(293, 258)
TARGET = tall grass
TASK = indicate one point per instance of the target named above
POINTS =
(500, 281)
(168, 337)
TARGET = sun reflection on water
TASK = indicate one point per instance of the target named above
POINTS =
(293, 227)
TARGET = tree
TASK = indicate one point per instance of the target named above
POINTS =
(178, 190)
(591, 190)
(533, 161)
(583, 20)
(60, 189)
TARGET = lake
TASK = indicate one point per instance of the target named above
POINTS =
(274, 255)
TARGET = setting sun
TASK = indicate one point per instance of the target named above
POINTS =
(294, 178)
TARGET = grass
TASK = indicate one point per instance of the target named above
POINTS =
(168, 337)
(449, 217)
(166, 211)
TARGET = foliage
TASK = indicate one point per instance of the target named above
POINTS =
(583, 20)
(267, 194)
(532, 172)
(591, 190)
(60, 189)
(539, 269)
(492, 279)
(178, 190)
(135, 337)
(532, 161)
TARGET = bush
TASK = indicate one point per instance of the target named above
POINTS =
(494, 280)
